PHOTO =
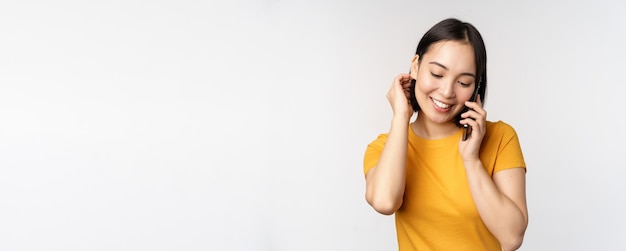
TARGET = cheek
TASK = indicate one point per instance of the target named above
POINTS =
(465, 93)
(425, 85)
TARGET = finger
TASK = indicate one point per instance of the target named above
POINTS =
(476, 106)
(470, 104)
(403, 77)
(474, 115)
(405, 84)
(476, 125)
(468, 121)
(398, 79)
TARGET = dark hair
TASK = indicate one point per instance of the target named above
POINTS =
(454, 29)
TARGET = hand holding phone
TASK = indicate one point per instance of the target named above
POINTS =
(467, 129)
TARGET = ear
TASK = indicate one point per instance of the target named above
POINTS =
(415, 66)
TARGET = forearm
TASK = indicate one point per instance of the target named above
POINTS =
(505, 219)
(386, 182)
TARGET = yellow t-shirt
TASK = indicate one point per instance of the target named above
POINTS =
(438, 212)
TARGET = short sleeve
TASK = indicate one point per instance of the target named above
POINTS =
(509, 152)
(372, 153)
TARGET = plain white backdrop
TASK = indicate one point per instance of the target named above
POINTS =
(241, 125)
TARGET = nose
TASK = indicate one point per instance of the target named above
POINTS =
(447, 89)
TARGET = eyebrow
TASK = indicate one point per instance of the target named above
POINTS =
(443, 66)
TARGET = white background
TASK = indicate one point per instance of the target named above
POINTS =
(241, 125)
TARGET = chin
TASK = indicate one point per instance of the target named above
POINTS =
(445, 119)
(440, 120)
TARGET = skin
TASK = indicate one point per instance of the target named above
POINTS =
(446, 74)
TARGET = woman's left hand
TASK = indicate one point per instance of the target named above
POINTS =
(476, 117)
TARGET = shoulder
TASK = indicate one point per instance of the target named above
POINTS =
(501, 148)
(499, 133)
(379, 141)
(373, 151)
(500, 128)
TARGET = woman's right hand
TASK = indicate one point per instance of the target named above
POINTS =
(398, 96)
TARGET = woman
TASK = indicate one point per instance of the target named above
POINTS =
(447, 192)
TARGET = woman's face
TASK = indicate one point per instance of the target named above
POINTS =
(445, 79)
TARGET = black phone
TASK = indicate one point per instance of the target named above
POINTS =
(467, 129)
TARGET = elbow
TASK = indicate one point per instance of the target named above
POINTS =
(512, 243)
(514, 239)
(386, 206)
(385, 209)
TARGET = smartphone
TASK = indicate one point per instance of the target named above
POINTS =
(467, 129)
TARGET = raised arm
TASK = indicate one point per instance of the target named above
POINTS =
(501, 199)
(385, 182)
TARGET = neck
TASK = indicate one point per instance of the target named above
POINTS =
(428, 129)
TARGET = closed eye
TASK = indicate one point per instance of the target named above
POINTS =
(464, 84)
(435, 75)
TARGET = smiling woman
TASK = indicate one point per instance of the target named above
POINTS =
(448, 193)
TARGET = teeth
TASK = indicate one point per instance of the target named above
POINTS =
(441, 105)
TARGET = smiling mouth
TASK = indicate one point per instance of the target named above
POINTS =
(440, 104)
